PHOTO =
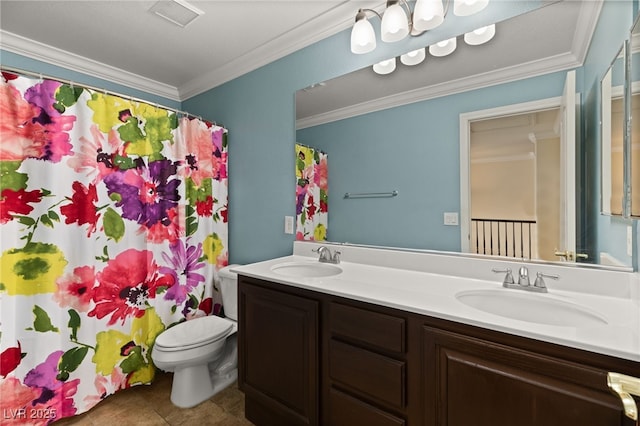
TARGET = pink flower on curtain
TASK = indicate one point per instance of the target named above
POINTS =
(76, 290)
(17, 131)
(126, 285)
(199, 146)
(169, 230)
(82, 209)
(54, 124)
(184, 261)
(96, 155)
(17, 202)
(56, 395)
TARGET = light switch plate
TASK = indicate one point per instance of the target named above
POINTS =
(288, 224)
(451, 218)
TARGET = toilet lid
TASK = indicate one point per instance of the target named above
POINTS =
(194, 332)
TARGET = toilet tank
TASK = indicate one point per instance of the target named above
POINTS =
(229, 291)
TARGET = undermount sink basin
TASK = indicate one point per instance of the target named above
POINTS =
(306, 269)
(523, 306)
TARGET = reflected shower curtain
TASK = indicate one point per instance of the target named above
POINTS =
(113, 222)
(312, 212)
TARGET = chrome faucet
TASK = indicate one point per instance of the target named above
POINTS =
(524, 283)
(326, 256)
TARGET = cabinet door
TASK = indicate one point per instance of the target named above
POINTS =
(278, 356)
(469, 381)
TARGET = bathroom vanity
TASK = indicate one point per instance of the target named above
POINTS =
(392, 348)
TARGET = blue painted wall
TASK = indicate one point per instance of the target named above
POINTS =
(608, 232)
(374, 152)
(259, 110)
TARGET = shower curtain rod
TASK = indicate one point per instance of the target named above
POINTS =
(311, 147)
(102, 90)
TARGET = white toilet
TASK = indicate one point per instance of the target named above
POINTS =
(202, 353)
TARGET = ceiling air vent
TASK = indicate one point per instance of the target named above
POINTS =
(178, 12)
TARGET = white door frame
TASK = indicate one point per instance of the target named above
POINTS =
(465, 163)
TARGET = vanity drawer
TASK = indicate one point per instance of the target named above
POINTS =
(370, 374)
(345, 410)
(374, 328)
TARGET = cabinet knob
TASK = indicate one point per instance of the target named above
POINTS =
(625, 386)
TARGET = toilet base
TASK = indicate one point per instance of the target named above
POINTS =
(193, 385)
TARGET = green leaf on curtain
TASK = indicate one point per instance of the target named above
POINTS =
(66, 96)
(26, 220)
(123, 162)
(191, 226)
(74, 323)
(70, 361)
(46, 221)
(134, 361)
(300, 164)
(113, 225)
(53, 216)
(42, 323)
(10, 178)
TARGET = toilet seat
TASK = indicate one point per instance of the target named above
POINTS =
(193, 333)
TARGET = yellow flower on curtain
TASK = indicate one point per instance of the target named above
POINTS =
(32, 269)
(143, 127)
(213, 248)
(106, 109)
(132, 352)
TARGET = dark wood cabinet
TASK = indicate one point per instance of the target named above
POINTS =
(469, 381)
(309, 358)
(278, 355)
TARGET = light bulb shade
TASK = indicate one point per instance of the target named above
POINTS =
(428, 14)
(468, 7)
(414, 57)
(395, 24)
(363, 38)
(443, 48)
(385, 67)
(481, 35)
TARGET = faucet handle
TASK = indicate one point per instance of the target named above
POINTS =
(336, 256)
(540, 279)
(508, 279)
(523, 276)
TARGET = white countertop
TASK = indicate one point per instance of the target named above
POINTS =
(433, 294)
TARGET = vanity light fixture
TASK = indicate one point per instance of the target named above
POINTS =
(480, 36)
(397, 22)
(385, 67)
(468, 7)
(444, 47)
(414, 57)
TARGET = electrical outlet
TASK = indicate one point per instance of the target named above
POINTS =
(629, 241)
(288, 224)
(451, 218)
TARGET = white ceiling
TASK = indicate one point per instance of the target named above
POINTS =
(123, 41)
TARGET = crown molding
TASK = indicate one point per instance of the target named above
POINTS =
(478, 81)
(326, 25)
(58, 57)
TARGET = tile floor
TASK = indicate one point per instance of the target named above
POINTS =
(150, 405)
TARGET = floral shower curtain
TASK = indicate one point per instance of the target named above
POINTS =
(312, 211)
(113, 217)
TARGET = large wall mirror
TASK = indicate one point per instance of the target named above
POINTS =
(613, 130)
(399, 134)
(634, 115)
